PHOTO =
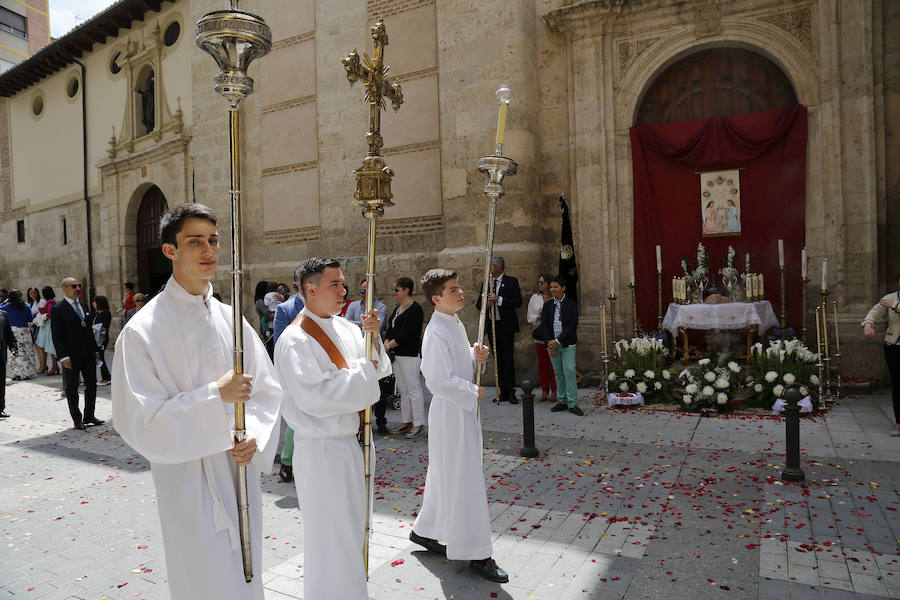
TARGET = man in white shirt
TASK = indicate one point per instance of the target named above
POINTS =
(173, 394)
(321, 359)
(354, 314)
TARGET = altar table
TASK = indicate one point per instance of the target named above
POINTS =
(752, 316)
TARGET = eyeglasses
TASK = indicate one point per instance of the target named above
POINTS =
(362, 291)
(397, 290)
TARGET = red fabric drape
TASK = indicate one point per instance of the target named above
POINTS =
(770, 147)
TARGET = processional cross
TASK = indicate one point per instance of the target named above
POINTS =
(373, 194)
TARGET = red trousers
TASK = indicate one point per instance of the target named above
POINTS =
(548, 379)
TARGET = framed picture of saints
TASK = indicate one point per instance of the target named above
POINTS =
(720, 203)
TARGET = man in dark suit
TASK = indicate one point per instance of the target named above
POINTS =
(6, 339)
(559, 324)
(73, 338)
(505, 295)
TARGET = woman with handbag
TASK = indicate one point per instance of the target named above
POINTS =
(535, 305)
(889, 306)
(102, 320)
(404, 342)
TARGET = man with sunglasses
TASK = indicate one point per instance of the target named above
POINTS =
(74, 341)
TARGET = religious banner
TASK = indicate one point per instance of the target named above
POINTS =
(720, 203)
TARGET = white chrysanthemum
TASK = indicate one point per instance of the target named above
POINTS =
(691, 388)
(612, 376)
(623, 386)
(684, 373)
(777, 390)
(641, 387)
(789, 378)
(629, 373)
(649, 374)
(804, 391)
(722, 383)
(709, 376)
(703, 361)
(721, 398)
(758, 388)
(771, 376)
(734, 367)
(666, 374)
(708, 391)
(814, 379)
(687, 399)
(657, 385)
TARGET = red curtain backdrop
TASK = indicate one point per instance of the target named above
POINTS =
(770, 147)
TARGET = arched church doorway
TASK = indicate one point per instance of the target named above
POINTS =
(154, 268)
(715, 82)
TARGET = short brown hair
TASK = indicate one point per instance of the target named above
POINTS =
(139, 298)
(171, 222)
(406, 283)
(433, 282)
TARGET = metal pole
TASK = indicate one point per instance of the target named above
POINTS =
(488, 250)
(367, 414)
(528, 450)
(792, 470)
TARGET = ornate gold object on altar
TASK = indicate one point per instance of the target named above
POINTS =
(373, 194)
(373, 177)
(234, 39)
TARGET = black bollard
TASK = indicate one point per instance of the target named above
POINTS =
(792, 470)
(528, 450)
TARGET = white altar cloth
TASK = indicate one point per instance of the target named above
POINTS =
(731, 315)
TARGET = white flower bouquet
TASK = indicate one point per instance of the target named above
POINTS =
(778, 365)
(642, 360)
(710, 384)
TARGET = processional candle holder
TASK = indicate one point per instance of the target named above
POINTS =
(612, 315)
(604, 355)
(820, 364)
(782, 322)
(373, 194)
(636, 327)
(659, 310)
(803, 283)
(496, 167)
(826, 349)
(234, 39)
(837, 351)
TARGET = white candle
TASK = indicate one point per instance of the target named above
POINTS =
(762, 286)
(803, 262)
(658, 258)
(781, 253)
(824, 274)
(751, 288)
(612, 281)
(631, 268)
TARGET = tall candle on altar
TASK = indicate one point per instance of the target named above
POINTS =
(631, 268)
(825, 327)
(781, 253)
(837, 333)
(658, 258)
(612, 281)
(504, 97)
(824, 274)
(818, 333)
(803, 263)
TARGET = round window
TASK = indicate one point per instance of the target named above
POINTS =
(37, 105)
(172, 33)
(114, 67)
(72, 87)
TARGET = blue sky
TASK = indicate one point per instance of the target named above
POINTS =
(66, 14)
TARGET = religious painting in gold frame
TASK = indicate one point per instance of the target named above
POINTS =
(720, 203)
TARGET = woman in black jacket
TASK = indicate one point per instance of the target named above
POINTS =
(102, 319)
(404, 341)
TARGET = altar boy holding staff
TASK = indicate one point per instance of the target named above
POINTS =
(454, 505)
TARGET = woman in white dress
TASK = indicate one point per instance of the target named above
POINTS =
(45, 336)
(36, 302)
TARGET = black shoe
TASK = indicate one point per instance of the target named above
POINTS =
(286, 473)
(382, 430)
(94, 421)
(428, 543)
(575, 410)
(79, 425)
(489, 569)
(3, 414)
(558, 407)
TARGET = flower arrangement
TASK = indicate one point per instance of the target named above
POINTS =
(782, 363)
(710, 384)
(729, 271)
(642, 363)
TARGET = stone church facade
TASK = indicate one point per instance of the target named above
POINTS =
(579, 71)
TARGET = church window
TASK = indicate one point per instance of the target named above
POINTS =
(20, 231)
(72, 87)
(65, 231)
(37, 105)
(172, 33)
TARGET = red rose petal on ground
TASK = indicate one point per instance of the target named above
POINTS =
(397, 562)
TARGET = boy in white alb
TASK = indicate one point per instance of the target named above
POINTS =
(454, 505)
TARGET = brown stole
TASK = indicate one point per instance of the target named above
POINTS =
(337, 359)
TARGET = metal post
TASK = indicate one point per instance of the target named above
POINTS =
(528, 450)
(792, 470)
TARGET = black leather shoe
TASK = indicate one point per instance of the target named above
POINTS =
(80, 426)
(428, 543)
(3, 414)
(382, 430)
(286, 473)
(558, 407)
(94, 421)
(489, 569)
(576, 410)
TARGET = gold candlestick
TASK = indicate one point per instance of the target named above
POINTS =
(612, 316)
(803, 283)
(826, 350)
(636, 326)
(659, 313)
(783, 320)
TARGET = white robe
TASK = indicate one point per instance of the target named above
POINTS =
(454, 505)
(321, 404)
(167, 407)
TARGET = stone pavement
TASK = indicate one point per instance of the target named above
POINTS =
(618, 505)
